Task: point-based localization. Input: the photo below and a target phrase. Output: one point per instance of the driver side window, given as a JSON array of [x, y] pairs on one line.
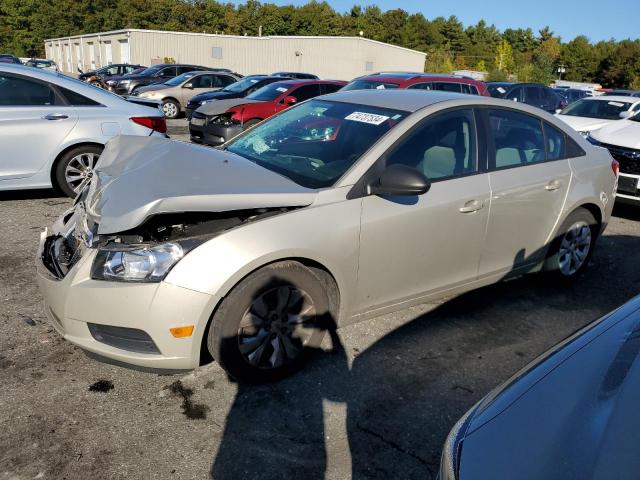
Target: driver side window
[[443, 147]]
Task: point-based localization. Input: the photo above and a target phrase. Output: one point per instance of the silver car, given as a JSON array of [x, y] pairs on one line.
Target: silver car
[[174, 94], [345, 207], [53, 128]]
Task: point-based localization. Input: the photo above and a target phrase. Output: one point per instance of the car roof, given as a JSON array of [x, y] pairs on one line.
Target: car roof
[[401, 99], [401, 77]]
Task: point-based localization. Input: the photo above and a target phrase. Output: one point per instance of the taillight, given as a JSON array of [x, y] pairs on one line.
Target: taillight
[[159, 124], [615, 166]]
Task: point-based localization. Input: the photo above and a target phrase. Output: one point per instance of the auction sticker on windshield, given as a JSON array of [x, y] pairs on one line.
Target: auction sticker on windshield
[[370, 118]]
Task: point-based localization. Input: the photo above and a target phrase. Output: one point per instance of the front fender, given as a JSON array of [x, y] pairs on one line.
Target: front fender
[[325, 234]]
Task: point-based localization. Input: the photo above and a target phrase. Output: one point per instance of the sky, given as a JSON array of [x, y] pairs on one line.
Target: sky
[[617, 19]]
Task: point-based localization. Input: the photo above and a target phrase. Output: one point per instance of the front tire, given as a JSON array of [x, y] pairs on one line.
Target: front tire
[[170, 108], [571, 251], [75, 168], [265, 328]]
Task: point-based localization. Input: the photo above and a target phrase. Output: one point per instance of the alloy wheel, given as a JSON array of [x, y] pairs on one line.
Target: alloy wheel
[[574, 248], [276, 327], [80, 170], [170, 110]]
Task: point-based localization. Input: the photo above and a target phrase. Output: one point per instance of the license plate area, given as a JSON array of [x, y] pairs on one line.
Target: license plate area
[[628, 185]]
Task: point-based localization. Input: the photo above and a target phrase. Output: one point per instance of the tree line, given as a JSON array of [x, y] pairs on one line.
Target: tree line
[[512, 53]]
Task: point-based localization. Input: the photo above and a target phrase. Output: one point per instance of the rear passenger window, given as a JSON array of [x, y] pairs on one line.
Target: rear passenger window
[[517, 137], [306, 92], [448, 87], [18, 91], [77, 100], [443, 147], [421, 86], [555, 142]]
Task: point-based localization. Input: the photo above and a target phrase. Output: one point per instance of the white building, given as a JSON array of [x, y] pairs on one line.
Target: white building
[[328, 57]]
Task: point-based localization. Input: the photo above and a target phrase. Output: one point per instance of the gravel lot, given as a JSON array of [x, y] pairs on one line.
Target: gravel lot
[[378, 405]]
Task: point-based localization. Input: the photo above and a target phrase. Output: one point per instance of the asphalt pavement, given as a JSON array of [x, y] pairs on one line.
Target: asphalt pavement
[[376, 402]]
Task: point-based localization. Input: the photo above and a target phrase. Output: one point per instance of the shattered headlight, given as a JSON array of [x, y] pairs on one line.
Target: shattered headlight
[[125, 263]]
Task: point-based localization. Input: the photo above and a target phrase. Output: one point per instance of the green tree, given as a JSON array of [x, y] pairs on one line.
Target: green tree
[[504, 57]]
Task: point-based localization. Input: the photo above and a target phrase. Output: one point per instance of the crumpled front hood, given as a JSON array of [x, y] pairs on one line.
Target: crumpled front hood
[[623, 133], [219, 95], [138, 177], [221, 106]]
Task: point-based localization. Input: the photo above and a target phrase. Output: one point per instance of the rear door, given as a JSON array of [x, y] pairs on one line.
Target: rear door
[[34, 121], [533, 96], [412, 246], [529, 184]]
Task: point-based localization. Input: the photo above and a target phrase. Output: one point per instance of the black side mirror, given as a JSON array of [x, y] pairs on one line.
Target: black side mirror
[[400, 180]]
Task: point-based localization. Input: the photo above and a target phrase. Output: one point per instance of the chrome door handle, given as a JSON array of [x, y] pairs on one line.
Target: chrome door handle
[[471, 206], [553, 185], [55, 116]]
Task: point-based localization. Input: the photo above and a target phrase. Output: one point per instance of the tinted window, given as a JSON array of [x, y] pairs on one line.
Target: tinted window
[[517, 138], [22, 91], [129, 69], [472, 90], [330, 88], [369, 85], [533, 96], [182, 70], [421, 86], [168, 72], [76, 99], [516, 94], [448, 87], [444, 146], [555, 142], [306, 92], [224, 80]]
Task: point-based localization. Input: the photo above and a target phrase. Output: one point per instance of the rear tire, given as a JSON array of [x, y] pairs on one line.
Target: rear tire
[[571, 251], [74, 168], [267, 325]]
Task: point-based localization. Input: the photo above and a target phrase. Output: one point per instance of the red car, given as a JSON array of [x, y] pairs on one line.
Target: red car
[[214, 127], [423, 81]]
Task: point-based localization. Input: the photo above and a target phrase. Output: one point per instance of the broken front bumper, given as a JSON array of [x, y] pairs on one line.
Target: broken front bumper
[[125, 322]]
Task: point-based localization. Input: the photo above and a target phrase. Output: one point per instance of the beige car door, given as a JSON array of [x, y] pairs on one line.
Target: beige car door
[[412, 246], [529, 183]]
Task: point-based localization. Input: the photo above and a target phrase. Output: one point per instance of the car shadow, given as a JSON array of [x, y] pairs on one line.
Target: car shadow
[[405, 392], [30, 194]]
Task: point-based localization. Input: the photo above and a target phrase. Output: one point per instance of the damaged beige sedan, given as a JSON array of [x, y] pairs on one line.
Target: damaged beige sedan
[[344, 207]]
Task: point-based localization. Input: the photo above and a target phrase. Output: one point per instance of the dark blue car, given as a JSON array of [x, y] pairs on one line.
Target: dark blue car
[[571, 414]]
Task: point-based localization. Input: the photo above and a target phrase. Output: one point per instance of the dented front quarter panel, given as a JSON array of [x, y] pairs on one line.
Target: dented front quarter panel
[[326, 232]]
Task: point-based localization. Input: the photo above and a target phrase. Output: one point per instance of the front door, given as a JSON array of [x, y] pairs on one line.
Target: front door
[[29, 107], [529, 184], [411, 246]]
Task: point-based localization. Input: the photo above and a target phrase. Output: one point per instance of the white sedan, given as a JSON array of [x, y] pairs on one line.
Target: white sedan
[[53, 128], [592, 113]]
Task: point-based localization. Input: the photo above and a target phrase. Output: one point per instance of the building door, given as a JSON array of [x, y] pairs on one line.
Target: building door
[[78, 56], [92, 55], [108, 54], [124, 51]]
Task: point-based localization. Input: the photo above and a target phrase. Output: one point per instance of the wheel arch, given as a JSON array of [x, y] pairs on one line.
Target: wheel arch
[[62, 153], [323, 273]]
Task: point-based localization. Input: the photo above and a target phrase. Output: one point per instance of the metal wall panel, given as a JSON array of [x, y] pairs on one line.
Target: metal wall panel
[[340, 58]]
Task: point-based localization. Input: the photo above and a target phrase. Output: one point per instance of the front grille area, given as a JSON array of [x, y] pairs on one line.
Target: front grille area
[[60, 254], [628, 158]]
